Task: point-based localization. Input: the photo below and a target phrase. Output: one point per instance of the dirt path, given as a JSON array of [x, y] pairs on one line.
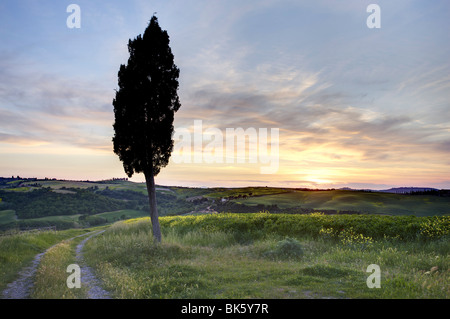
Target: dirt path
[[22, 287], [87, 275]]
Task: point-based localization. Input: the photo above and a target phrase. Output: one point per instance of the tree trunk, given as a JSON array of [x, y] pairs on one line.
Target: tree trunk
[[150, 181]]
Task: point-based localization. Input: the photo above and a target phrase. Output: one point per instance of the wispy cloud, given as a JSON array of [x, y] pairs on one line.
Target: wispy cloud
[[46, 107]]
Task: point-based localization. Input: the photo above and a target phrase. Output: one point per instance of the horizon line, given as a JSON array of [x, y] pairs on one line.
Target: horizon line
[[255, 186]]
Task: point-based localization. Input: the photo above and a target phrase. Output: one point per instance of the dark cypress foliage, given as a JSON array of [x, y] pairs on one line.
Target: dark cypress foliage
[[144, 108]]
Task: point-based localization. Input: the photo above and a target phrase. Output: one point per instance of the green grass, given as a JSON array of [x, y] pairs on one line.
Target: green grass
[[66, 218], [7, 216], [235, 256], [119, 185], [251, 255], [247, 256], [254, 226], [117, 215], [57, 184], [51, 275], [18, 250], [255, 191], [22, 189], [367, 202], [109, 216]]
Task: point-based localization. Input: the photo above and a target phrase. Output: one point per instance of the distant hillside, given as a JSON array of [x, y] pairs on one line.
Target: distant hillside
[[32, 202], [35, 203], [406, 190]]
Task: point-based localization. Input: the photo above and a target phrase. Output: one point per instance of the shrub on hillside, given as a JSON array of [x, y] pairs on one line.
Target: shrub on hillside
[[435, 228], [286, 249], [347, 237]]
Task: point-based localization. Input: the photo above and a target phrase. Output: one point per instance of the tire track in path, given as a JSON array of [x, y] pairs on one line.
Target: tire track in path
[[88, 278], [22, 287]]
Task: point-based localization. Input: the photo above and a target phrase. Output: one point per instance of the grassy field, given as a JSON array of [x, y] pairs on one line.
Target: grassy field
[[51, 275], [365, 202], [223, 256], [119, 185], [272, 199], [67, 215], [18, 250], [243, 255], [7, 216], [259, 256], [255, 191], [122, 214]]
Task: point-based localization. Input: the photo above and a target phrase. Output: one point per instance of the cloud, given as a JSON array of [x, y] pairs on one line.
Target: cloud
[[347, 99], [39, 106], [21, 140], [319, 122]]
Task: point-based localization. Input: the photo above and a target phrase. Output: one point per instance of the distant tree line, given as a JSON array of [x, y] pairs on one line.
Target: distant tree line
[[436, 192], [44, 202], [89, 201]]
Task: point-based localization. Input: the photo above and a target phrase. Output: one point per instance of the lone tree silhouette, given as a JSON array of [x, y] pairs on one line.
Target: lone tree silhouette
[[144, 108]]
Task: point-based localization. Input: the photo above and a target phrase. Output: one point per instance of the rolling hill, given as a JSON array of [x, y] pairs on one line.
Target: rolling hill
[[31, 203]]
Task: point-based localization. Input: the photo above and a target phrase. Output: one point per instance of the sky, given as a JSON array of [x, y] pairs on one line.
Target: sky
[[353, 106]]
